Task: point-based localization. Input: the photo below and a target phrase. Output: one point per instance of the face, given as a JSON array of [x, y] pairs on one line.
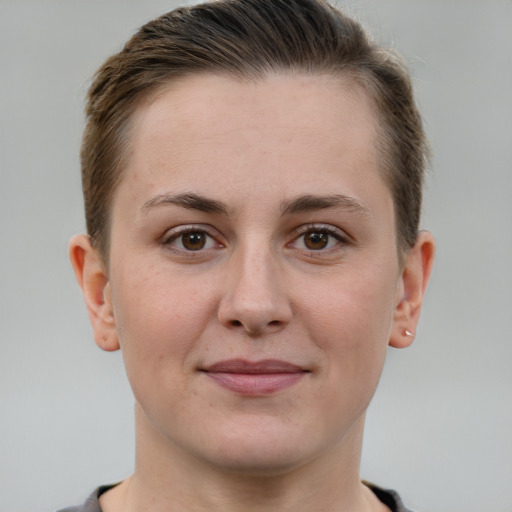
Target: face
[[253, 275]]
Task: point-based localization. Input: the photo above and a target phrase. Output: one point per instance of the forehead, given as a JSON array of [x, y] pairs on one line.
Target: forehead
[[259, 92], [274, 112], [280, 136]]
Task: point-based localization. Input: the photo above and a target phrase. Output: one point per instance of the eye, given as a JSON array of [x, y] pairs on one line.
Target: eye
[[190, 239], [318, 238]]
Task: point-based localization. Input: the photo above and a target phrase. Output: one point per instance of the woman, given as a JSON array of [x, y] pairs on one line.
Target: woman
[[252, 175]]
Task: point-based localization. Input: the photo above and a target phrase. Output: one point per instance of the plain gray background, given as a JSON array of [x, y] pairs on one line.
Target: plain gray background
[[440, 427]]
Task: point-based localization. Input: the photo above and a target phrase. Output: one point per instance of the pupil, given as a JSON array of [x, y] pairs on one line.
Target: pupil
[[316, 240], [194, 241]]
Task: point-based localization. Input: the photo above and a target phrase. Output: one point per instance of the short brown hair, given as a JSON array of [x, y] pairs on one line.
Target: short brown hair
[[248, 39]]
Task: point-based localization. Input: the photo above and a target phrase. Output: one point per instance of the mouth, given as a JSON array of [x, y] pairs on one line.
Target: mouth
[[254, 378]]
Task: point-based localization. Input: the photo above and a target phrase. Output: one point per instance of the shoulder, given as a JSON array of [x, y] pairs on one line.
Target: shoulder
[[389, 497], [91, 504]]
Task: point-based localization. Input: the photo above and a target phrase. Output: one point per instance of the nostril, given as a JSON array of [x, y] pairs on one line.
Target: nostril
[[238, 323]]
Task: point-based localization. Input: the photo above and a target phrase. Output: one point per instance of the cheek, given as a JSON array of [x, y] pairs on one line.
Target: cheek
[[159, 319], [350, 321], [355, 302]]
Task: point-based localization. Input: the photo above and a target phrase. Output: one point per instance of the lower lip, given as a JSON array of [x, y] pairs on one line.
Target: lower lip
[[255, 384]]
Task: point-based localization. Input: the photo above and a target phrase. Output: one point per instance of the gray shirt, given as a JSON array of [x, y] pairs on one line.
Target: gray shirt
[[388, 497]]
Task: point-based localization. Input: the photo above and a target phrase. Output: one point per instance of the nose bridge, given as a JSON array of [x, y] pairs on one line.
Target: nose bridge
[[255, 299], [257, 267]]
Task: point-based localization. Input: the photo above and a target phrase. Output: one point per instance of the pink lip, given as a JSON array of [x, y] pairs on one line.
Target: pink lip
[[254, 378]]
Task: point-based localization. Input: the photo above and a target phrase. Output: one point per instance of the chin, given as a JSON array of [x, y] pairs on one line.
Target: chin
[[263, 451], [258, 464]]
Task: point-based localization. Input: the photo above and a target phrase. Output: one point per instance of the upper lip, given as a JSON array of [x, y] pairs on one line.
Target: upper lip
[[242, 366]]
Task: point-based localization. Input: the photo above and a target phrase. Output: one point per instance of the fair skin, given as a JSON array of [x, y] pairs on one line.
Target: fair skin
[[253, 286]]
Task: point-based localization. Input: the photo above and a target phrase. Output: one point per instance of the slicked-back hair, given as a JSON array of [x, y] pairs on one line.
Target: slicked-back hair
[[249, 39]]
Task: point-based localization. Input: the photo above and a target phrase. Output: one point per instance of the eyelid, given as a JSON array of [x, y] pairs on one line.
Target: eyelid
[[329, 228]]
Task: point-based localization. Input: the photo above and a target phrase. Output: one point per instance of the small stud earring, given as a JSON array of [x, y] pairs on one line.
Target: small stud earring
[[408, 333]]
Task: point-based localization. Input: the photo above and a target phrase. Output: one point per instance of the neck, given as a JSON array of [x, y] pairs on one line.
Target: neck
[[167, 478]]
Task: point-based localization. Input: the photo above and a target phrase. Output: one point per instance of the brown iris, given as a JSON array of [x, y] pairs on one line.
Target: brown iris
[[194, 241], [316, 240]]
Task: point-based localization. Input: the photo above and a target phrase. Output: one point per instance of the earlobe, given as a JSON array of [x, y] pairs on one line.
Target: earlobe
[[413, 282], [93, 281]]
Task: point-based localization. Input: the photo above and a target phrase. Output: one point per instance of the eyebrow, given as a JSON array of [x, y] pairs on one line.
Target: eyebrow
[[188, 200], [308, 203], [301, 204]]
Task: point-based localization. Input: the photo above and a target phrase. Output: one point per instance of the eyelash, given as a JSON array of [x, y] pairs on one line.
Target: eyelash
[[212, 242]]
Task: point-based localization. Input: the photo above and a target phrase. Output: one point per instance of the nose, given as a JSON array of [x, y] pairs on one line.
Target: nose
[[255, 300]]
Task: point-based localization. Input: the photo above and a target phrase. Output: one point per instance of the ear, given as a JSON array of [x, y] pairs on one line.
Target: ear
[[413, 282], [93, 281]]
